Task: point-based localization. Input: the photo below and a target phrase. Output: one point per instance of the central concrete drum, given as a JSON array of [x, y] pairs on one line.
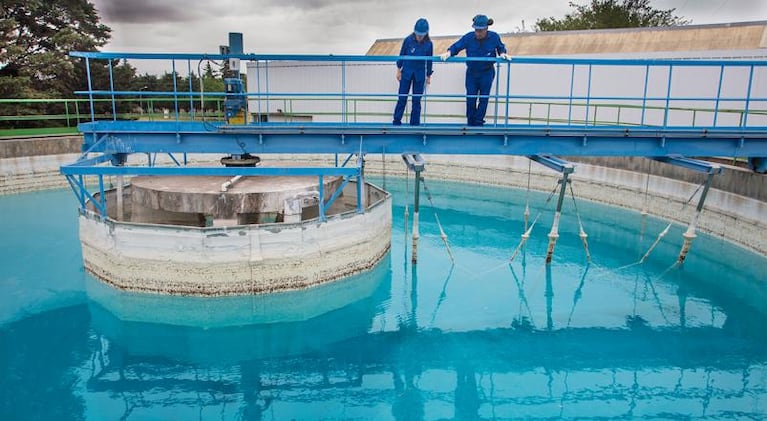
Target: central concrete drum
[[225, 200], [210, 235]]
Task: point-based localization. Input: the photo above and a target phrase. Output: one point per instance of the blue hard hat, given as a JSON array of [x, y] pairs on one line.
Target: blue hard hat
[[421, 27], [481, 22]]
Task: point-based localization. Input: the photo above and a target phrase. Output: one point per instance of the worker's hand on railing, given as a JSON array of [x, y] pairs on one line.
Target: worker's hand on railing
[[505, 56], [444, 56]]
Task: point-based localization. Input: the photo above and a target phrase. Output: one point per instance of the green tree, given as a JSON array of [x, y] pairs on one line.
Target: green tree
[[36, 37], [603, 14]]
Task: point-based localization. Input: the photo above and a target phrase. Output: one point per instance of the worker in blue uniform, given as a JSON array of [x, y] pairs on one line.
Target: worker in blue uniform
[[479, 74], [413, 73]]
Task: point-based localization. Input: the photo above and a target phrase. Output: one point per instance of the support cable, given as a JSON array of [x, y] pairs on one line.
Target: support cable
[[442, 234], [662, 233], [581, 233], [526, 234]]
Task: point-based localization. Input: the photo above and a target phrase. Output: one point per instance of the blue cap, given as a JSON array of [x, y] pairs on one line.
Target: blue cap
[[421, 27], [480, 22]]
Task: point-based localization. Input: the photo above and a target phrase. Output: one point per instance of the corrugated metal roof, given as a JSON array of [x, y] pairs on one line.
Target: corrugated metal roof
[[731, 36]]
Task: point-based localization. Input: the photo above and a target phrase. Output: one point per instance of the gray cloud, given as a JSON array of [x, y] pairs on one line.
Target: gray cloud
[[343, 26]]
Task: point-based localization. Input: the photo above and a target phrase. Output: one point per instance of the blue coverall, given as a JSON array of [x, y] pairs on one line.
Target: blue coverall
[[479, 74], [414, 72]]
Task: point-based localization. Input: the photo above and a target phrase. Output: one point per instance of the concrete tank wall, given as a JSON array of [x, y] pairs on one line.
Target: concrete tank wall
[[736, 208], [248, 259]]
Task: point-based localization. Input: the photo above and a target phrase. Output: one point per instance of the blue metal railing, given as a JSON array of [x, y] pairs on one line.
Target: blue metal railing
[[659, 89]]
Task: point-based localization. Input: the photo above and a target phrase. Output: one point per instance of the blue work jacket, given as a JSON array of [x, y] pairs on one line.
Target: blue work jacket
[[490, 46], [418, 68]]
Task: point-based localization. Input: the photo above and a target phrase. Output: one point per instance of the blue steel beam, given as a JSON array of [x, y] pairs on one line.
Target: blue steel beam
[[86, 169], [691, 164], [189, 137], [556, 164]]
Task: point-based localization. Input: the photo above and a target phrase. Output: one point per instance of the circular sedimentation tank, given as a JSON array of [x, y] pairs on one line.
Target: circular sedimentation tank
[[215, 235]]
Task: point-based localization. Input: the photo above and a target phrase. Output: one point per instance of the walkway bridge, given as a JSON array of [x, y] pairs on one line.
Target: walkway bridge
[[342, 105]]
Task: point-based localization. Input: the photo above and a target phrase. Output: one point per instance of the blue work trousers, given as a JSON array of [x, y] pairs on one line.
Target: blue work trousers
[[404, 88], [478, 86]]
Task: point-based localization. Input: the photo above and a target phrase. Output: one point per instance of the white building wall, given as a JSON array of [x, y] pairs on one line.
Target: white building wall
[[315, 88]]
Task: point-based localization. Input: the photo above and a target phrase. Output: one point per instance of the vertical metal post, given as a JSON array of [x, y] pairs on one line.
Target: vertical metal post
[[66, 111], [90, 91], [266, 75], [77, 110], [748, 94], [554, 233], [497, 88], [644, 93], [570, 105], [191, 100], [689, 235], [416, 201], [668, 96], [175, 88], [718, 93], [343, 92], [361, 200], [258, 89], [588, 98], [112, 91], [508, 90]]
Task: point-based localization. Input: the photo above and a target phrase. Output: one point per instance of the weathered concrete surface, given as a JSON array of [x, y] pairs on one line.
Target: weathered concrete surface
[[202, 194], [251, 259], [30, 173], [36, 146]]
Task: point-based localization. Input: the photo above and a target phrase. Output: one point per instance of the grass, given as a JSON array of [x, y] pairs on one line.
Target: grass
[[46, 131]]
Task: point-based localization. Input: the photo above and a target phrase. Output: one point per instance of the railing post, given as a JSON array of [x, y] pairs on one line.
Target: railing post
[[748, 94], [258, 91], [718, 93], [191, 100], [497, 88], [66, 110], [112, 92], [175, 88], [588, 98], [266, 74], [570, 105], [644, 93], [343, 92], [508, 90], [90, 89], [668, 96]]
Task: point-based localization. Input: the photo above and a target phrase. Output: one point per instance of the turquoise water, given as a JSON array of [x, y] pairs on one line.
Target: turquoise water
[[480, 339]]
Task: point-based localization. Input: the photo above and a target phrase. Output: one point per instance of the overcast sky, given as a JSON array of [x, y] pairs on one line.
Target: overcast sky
[[344, 26]]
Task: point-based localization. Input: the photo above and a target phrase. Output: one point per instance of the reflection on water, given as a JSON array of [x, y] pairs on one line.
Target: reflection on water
[[478, 339]]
